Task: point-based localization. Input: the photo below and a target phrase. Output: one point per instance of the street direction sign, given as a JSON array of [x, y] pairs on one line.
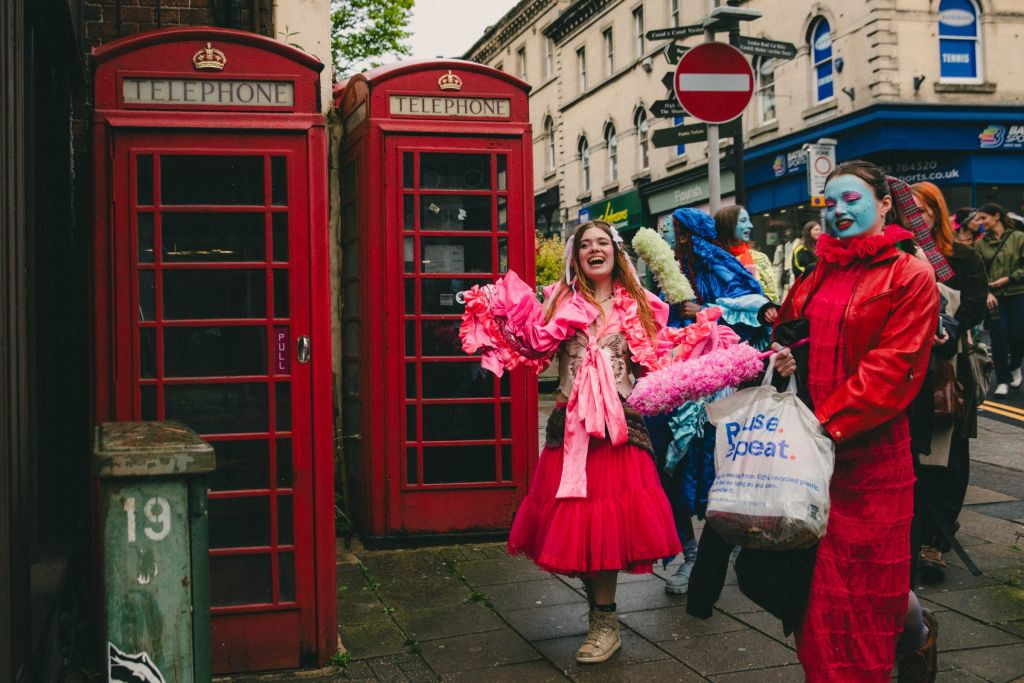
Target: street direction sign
[[673, 53], [762, 47], [667, 109], [675, 32], [696, 132], [714, 82], [669, 79]]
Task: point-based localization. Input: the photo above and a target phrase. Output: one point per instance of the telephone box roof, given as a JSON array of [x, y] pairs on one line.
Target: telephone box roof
[[375, 77], [121, 46]]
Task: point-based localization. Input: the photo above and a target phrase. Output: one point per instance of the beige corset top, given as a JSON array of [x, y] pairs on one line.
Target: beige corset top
[[614, 348]]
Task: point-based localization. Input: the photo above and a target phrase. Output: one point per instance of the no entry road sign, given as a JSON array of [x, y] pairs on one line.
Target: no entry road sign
[[714, 82]]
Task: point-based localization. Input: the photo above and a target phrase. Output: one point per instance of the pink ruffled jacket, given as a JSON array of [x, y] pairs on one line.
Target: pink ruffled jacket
[[506, 322]]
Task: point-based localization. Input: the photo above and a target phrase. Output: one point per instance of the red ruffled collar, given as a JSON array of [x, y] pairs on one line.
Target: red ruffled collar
[[742, 252], [843, 252]]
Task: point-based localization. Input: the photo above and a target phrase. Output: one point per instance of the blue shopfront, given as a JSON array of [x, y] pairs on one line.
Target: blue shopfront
[[975, 154]]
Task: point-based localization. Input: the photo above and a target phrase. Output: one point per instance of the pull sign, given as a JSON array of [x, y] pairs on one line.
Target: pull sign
[[282, 350]]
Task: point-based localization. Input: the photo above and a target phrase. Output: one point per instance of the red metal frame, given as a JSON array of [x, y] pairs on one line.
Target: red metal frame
[[380, 142], [248, 636]]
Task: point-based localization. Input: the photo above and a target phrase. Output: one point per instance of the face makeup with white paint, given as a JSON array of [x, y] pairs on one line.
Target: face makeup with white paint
[[851, 208]]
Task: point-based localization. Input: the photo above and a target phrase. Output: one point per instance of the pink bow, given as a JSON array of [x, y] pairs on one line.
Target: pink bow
[[594, 407]]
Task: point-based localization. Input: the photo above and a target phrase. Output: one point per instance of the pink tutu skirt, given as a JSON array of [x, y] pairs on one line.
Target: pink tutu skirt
[[624, 523]]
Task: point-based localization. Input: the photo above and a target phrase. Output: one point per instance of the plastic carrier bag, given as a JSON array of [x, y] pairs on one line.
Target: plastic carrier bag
[[773, 464]]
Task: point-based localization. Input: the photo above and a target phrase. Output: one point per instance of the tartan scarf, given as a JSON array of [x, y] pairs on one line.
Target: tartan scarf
[[904, 199]]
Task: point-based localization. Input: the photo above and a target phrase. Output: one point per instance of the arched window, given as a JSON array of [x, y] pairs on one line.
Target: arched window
[[959, 42], [612, 143], [549, 144], [584, 149], [821, 60], [643, 147], [764, 88]]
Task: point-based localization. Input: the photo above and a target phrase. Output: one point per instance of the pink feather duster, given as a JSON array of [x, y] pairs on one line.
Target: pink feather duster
[[670, 387]]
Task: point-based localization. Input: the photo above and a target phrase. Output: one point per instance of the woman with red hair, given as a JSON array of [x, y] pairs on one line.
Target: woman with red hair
[[942, 449]]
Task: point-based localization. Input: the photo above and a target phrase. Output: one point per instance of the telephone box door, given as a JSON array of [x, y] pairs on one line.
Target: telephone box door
[[212, 234], [454, 220]]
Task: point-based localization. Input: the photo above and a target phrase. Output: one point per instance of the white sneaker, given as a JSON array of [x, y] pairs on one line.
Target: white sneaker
[[1016, 375], [1002, 390]]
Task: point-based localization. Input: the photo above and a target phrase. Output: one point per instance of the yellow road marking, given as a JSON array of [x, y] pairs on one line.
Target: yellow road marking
[[1005, 413], [1003, 406]]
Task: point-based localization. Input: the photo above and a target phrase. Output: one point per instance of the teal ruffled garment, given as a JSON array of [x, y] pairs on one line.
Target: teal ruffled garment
[[741, 310], [686, 423]]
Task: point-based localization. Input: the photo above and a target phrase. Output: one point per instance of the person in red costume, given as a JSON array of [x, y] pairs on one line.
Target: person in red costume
[[873, 312]]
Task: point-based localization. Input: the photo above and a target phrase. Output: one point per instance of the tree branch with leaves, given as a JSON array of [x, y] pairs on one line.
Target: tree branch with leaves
[[362, 31]]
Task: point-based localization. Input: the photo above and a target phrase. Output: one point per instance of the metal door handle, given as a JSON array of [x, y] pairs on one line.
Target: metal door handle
[[302, 349]]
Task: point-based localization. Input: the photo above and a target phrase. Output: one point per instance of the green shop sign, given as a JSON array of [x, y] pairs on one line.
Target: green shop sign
[[624, 211], [687, 194]]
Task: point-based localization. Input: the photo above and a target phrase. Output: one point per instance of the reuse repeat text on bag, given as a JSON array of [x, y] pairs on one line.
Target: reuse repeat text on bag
[[773, 465]]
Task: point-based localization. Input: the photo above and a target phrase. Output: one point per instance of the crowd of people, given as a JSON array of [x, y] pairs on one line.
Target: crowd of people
[[890, 293]]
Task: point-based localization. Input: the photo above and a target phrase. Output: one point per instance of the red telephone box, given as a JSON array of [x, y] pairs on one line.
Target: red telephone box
[[212, 307], [437, 195]]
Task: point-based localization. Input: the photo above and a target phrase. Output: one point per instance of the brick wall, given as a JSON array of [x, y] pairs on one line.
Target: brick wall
[[106, 20]]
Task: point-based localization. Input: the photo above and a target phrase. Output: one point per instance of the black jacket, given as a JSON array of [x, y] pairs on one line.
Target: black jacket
[[970, 280]]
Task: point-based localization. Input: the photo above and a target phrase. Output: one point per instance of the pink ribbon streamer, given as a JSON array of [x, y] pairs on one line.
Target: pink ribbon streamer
[[594, 408]]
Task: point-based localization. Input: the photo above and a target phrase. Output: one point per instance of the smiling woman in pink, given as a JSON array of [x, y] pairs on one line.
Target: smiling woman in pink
[[595, 505], [873, 311]]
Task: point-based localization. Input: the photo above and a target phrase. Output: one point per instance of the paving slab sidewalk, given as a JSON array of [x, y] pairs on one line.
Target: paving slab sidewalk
[[472, 613]]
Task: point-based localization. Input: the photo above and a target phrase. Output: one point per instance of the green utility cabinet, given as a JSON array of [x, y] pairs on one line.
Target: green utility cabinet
[[156, 571]]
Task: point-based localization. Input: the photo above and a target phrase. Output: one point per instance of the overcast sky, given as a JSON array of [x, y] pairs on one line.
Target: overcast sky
[[447, 28]]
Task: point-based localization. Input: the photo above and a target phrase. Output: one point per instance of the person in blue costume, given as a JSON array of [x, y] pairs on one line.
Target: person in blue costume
[[719, 278], [683, 441]]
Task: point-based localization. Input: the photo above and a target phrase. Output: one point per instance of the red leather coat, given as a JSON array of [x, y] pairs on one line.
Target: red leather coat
[[889, 325]]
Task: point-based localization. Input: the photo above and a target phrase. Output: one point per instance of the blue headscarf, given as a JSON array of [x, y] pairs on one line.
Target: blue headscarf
[[719, 274]]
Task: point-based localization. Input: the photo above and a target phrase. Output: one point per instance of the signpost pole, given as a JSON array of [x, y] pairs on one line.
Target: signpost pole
[[714, 171], [737, 146]]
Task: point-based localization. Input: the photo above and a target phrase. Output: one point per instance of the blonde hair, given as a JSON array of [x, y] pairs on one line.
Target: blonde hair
[[622, 273]]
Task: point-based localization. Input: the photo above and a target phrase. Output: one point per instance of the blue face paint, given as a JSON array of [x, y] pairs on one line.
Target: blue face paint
[[668, 233], [744, 227], [851, 207]]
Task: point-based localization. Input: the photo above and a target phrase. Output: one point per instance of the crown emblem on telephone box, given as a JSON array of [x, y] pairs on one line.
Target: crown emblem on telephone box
[[449, 81], [209, 58]]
